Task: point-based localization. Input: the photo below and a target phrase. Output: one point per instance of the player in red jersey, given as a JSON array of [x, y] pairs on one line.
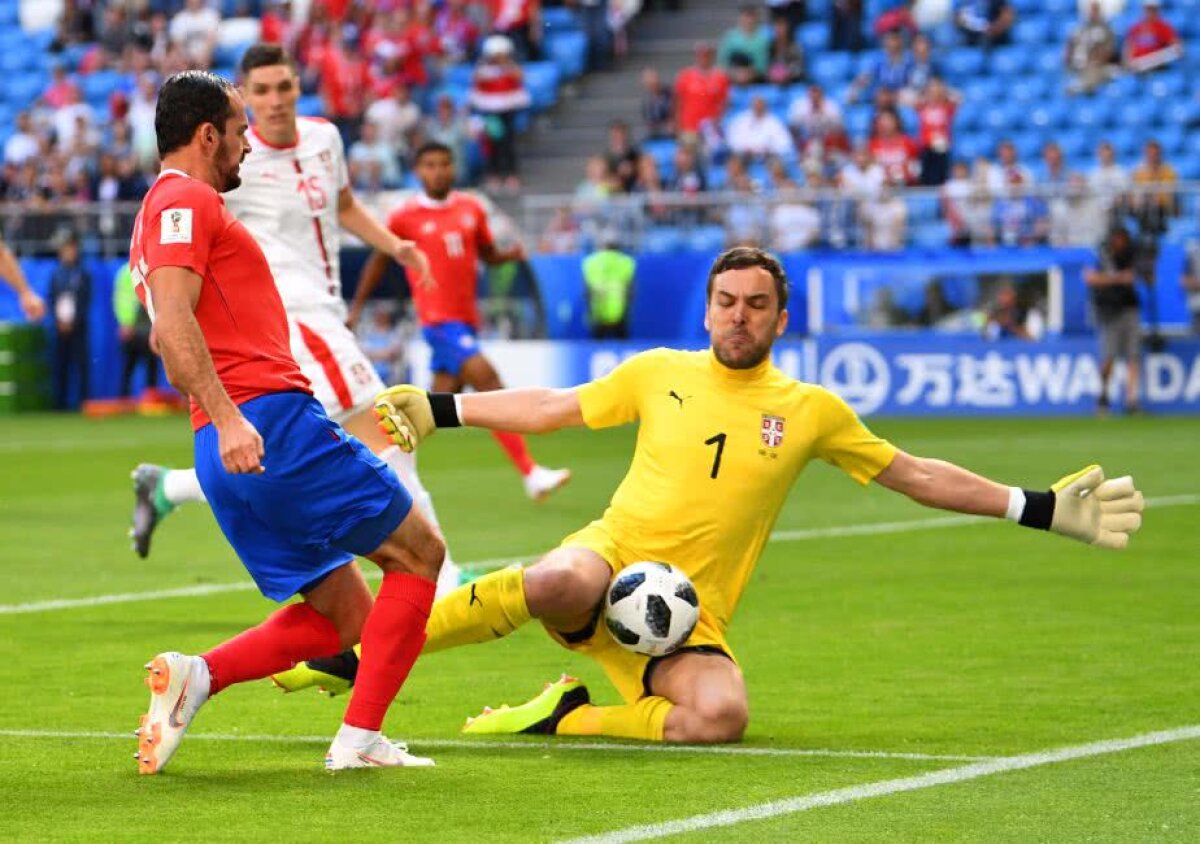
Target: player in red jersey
[[295, 496], [452, 230]]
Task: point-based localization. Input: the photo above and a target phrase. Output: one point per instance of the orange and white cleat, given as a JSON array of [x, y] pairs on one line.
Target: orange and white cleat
[[179, 686]]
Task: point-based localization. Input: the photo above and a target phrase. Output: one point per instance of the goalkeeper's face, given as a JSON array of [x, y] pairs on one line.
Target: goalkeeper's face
[[744, 317]]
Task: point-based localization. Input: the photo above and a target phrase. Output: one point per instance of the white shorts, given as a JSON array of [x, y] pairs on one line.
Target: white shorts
[[343, 379]]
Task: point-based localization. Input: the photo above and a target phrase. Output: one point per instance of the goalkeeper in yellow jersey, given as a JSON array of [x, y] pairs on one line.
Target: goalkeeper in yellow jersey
[[723, 436]]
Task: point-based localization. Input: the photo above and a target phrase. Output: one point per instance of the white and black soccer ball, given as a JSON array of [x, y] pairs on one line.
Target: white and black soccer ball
[[651, 608]]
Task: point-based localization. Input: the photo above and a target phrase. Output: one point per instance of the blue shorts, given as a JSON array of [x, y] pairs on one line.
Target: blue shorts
[[452, 344], [323, 498]]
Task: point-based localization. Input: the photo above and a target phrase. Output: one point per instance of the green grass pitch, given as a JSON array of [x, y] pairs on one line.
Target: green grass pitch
[[977, 640]]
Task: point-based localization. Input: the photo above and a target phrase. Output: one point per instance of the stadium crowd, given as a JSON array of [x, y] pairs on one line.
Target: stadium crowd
[[748, 138]]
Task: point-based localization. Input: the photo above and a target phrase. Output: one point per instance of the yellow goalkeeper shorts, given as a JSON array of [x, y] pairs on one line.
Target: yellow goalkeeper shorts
[[629, 672]]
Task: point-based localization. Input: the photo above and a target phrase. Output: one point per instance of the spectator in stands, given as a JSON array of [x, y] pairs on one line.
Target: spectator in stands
[[1054, 168], [194, 30], [1151, 43], [924, 70], [756, 134], [61, 86], [658, 107], [395, 118], [898, 18], [935, 112], [953, 198], [1010, 319], [890, 72], [1007, 171], [448, 126], [795, 224], [117, 34], [1019, 218], [785, 64], [1091, 53], [279, 26], [745, 49], [816, 123], [1109, 181], [22, 145], [370, 147], [70, 298], [343, 79], [884, 221], [648, 184], [935, 307], [862, 177], [498, 93], [598, 182], [746, 222], [133, 330], [383, 342], [689, 175], [1191, 284], [1077, 218], [561, 236], [701, 91], [457, 32], [985, 23], [72, 118], [596, 17], [1116, 310], [521, 21], [608, 277], [896, 153], [1154, 198], [622, 155], [846, 26], [791, 12]]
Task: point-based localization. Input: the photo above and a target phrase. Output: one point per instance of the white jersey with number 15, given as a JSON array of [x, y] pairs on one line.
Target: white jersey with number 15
[[289, 200]]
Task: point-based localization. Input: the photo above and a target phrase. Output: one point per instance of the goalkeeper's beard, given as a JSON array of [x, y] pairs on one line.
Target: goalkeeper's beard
[[746, 355]]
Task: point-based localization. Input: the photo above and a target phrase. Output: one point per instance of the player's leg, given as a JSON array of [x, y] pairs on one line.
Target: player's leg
[[1131, 343], [478, 372], [157, 491]]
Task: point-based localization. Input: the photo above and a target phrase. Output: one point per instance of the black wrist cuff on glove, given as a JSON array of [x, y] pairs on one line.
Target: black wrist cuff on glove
[[1039, 510], [445, 412]]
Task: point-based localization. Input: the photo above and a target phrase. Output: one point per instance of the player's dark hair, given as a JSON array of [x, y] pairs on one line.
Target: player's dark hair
[[186, 102], [744, 257], [430, 147], [265, 55]]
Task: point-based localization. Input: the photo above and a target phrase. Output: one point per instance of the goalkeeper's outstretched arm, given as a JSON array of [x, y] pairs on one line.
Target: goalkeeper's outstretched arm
[[1083, 505]]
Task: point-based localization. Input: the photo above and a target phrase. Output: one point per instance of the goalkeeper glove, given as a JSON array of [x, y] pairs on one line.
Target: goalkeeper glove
[[407, 414], [1083, 506]]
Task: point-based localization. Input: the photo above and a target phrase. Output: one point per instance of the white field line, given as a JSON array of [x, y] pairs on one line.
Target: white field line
[[948, 776], [835, 532], [540, 746]]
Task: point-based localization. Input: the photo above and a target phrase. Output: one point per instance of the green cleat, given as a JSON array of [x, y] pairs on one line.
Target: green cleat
[[540, 715], [150, 505], [333, 676]]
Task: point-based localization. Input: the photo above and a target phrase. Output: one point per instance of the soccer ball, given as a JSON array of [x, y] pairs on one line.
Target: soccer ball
[[651, 608]]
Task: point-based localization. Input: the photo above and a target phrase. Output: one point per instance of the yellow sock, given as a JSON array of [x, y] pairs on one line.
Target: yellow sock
[[641, 720], [480, 611]]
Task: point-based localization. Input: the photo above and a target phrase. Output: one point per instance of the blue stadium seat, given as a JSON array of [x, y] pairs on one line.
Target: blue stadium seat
[[1189, 167], [1028, 144], [1009, 61], [541, 78], [1127, 141], [1047, 61], [1046, 118], [1169, 85], [309, 106], [963, 63], [1182, 113], [813, 37], [663, 153], [9, 15], [858, 121], [23, 88], [1174, 140], [983, 89], [739, 98], [1032, 31], [706, 239], [568, 50], [1004, 116], [1090, 116], [460, 75], [830, 68], [662, 239], [1076, 144], [559, 19], [970, 145], [969, 115], [96, 87]]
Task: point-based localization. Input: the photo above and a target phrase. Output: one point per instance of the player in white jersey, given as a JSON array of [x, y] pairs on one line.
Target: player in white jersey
[[295, 199]]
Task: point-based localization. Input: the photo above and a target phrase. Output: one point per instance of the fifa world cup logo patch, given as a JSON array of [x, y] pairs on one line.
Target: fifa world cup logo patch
[[772, 431], [176, 226]]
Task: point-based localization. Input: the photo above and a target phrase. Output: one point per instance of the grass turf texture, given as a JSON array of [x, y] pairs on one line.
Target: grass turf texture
[[978, 640]]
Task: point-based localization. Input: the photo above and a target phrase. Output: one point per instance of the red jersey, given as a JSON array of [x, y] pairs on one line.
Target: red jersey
[[184, 223], [450, 233], [898, 158], [936, 119], [1146, 37], [701, 96]]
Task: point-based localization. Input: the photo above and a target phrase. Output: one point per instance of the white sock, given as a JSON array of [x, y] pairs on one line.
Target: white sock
[[181, 486], [356, 737]]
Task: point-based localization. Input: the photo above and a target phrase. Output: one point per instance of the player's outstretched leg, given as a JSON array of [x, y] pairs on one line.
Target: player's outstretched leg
[[157, 491]]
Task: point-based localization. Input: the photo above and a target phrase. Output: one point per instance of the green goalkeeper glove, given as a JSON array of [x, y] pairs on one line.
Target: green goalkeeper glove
[[1083, 506], [407, 415]]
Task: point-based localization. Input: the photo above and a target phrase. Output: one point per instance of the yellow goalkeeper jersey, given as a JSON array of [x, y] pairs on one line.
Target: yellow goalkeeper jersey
[[717, 451]]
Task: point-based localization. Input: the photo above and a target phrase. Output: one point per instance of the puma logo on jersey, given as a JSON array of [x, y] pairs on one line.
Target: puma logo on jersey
[[677, 398]]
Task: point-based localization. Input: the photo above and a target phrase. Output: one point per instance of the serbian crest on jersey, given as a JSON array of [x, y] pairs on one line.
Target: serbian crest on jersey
[[772, 431]]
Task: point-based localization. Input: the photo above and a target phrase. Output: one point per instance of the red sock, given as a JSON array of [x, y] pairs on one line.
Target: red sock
[[518, 452], [290, 635], [392, 639]]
